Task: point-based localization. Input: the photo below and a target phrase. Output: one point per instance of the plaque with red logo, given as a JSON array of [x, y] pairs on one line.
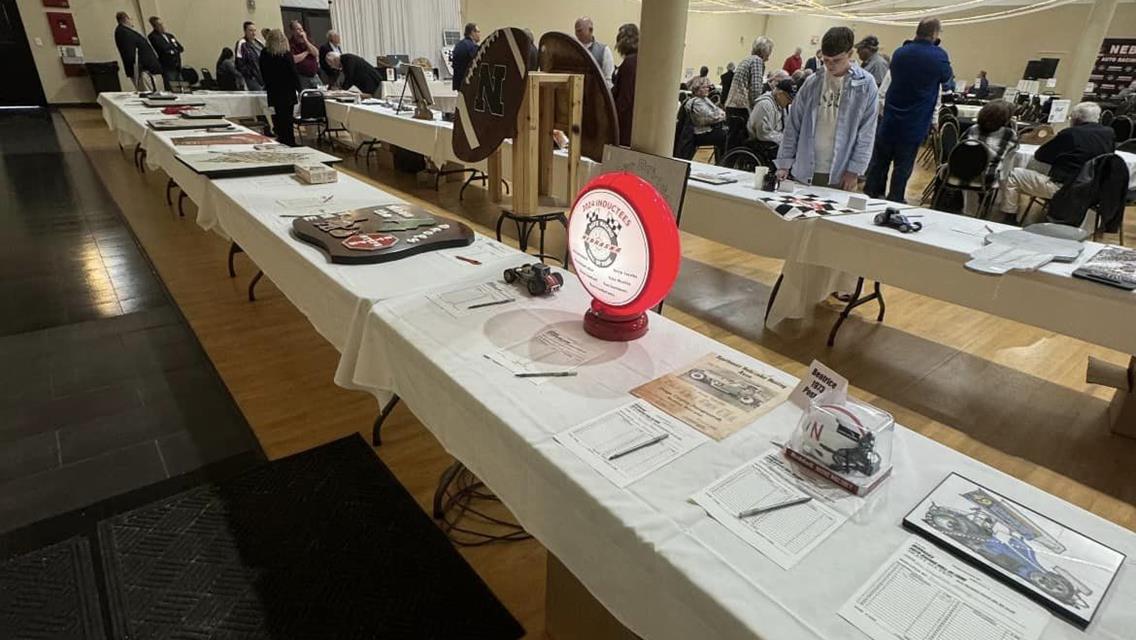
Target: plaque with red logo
[[625, 249], [380, 234]]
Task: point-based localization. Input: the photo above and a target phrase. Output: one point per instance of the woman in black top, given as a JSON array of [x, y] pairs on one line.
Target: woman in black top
[[228, 78], [281, 84]]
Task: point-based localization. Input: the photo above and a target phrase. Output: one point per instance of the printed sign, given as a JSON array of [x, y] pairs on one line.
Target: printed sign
[[1115, 67], [609, 247]]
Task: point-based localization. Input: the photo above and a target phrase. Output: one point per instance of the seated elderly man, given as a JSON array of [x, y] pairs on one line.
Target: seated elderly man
[[1066, 154], [767, 120], [355, 72]]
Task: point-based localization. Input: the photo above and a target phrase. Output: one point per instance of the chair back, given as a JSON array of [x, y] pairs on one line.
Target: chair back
[[967, 163], [312, 106], [1106, 118], [948, 139], [189, 75], [207, 81], [1122, 126]]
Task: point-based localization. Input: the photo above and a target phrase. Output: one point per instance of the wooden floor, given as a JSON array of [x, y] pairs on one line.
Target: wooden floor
[[946, 361]]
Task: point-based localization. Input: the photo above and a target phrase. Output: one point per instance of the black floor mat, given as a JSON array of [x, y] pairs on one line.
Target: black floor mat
[[324, 544], [51, 593]]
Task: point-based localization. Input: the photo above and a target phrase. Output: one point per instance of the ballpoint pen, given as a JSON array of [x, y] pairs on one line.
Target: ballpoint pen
[[490, 304], [773, 507], [642, 445], [546, 374]]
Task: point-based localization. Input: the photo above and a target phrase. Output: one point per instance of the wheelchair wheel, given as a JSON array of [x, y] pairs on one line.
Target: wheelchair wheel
[[740, 158]]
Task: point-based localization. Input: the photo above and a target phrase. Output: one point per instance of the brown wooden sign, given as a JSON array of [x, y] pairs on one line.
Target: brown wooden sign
[[380, 234], [562, 53], [491, 94]]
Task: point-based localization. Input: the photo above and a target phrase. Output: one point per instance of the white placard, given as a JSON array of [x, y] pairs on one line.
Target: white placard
[[597, 440], [924, 593], [820, 384], [1059, 112]]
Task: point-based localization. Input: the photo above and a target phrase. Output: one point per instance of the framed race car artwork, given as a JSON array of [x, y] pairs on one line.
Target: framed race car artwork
[[1059, 568]]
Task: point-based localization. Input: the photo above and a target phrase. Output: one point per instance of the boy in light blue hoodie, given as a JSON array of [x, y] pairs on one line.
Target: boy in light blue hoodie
[[832, 124]]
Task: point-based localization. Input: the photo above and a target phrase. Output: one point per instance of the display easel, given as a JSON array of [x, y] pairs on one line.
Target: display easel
[[552, 101]]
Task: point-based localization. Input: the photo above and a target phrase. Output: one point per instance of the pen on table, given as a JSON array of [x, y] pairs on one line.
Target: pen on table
[[328, 198], [469, 260], [642, 445], [546, 374], [490, 304], [773, 507]]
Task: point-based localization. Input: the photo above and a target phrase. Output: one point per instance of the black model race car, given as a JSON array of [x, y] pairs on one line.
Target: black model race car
[[539, 279], [892, 218]]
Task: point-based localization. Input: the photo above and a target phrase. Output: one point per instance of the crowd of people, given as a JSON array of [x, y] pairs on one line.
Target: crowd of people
[[850, 116]]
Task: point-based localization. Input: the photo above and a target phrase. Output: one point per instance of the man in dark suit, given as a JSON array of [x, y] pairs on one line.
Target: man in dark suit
[[1070, 150], [464, 52], [727, 79], [138, 58], [169, 51], [354, 71], [331, 46]]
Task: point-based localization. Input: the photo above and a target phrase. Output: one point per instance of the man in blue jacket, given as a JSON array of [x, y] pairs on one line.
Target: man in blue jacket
[[464, 52], [918, 69], [831, 125]]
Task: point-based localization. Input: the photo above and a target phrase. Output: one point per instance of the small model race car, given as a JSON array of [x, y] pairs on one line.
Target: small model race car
[[838, 439], [743, 393], [891, 217], [539, 279]]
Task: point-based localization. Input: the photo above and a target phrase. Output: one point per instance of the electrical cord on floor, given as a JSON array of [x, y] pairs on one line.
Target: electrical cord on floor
[[458, 504]]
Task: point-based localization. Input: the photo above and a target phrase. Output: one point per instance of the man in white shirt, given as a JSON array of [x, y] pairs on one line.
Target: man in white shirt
[[600, 51]]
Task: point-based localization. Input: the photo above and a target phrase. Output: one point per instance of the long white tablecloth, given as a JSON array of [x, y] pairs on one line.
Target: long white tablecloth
[[445, 98], [657, 562], [1026, 152]]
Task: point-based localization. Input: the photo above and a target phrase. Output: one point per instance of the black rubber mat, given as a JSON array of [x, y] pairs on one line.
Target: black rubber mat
[[50, 593], [324, 544]]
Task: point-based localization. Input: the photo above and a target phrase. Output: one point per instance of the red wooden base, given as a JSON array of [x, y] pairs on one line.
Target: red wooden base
[[615, 329]]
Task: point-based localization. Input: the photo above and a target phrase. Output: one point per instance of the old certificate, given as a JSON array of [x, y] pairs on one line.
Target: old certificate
[[716, 395]]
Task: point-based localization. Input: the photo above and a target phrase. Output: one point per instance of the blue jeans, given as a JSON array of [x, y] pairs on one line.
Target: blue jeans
[[885, 154]]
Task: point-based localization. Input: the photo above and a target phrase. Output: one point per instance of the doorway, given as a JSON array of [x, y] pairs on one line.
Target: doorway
[[21, 86], [317, 22]]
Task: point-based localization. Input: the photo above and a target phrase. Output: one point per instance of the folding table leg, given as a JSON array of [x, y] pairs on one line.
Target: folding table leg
[[376, 430], [773, 296], [855, 301], [252, 285], [234, 249]]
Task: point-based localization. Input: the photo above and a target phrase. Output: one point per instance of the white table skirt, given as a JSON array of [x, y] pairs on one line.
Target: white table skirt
[[445, 98], [1025, 158], [930, 263], [333, 296], [657, 562]]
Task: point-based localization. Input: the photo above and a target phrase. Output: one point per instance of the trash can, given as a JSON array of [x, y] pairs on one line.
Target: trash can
[[104, 76]]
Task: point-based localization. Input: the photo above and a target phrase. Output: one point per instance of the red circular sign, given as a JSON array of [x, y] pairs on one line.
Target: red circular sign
[[624, 245]]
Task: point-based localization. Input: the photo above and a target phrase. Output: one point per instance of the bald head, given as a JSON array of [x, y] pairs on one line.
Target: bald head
[[584, 28]]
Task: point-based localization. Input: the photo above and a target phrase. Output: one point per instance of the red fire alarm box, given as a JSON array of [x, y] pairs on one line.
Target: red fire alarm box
[[62, 27]]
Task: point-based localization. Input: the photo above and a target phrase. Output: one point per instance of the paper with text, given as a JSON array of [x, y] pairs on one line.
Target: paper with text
[[457, 303], [482, 251], [550, 350], [598, 439], [924, 593], [786, 535]]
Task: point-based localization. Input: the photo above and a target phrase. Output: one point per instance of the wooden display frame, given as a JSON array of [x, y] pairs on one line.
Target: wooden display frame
[[532, 146]]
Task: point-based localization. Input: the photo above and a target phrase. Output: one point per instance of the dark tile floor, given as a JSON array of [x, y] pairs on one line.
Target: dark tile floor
[[103, 386]]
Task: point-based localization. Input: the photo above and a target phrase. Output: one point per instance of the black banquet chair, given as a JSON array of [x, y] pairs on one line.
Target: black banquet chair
[[965, 170], [313, 112]]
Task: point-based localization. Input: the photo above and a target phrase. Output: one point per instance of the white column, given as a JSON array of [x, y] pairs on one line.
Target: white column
[[662, 39], [1074, 73]]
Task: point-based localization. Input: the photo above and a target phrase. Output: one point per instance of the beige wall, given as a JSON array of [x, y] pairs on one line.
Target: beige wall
[[711, 40], [203, 26], [1001, 47]]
